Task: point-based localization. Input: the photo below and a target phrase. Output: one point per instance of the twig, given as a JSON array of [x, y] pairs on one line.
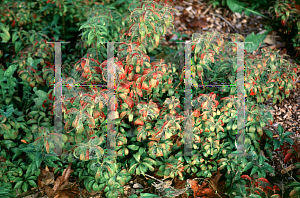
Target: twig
[[207, 9], [79, 188], [157, 180], [176, 193], [226, 22], [286, 171]]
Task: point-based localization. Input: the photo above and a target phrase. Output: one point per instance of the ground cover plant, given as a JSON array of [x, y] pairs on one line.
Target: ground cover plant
[[149, 106]]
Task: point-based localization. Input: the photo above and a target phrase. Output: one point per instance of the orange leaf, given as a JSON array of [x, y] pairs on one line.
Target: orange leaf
[[47, 146], [83, 63], [24, 141], [87, 154]]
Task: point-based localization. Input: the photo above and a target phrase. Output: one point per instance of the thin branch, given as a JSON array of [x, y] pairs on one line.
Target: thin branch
[[226, 21]]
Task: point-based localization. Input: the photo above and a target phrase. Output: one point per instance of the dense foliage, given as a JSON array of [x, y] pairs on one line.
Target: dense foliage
[[149, 101]]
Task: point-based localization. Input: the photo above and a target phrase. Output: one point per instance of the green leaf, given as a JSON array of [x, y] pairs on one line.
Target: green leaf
[[254, 196], [14, 37], [268, 167], [269, 153], [133, 147], [295, 192], [147, 195], [96, 187], [256, 39], [38, 159], [5, 36], [149, 166], [132, 168], [17, 179], [89, 186], [32, 177], [289, 140], [262, 173], [101, 186], [55, 20], [124, 124], [42, 95], [130, 117], [260, 160], [276, 144], [254, 170], [235, 6], [269, 133], [280, 130], [137, 157], [9, 111], [293, 184], [170, 92], [30, 61], [32, 183], [10, 70], [8, 143], [18, 45], [18, 184], [248, 166], [287, 134], [36, 62]]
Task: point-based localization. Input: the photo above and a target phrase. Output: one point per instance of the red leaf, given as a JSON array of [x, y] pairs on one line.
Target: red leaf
[[13, 23], [43, 103], [246, 177], [96, 114], [139, 122], [295, 147], [82, 63], [131, 94], [136, 76], [193, 47], [263, 179], [288, 157], [276, 187], [202, 56], [268, 187], [129, 101], [145, 86], [146, 71], [125, 84]]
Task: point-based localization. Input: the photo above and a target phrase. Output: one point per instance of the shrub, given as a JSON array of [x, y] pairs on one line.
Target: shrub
[[150, 99], [149, 104]]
